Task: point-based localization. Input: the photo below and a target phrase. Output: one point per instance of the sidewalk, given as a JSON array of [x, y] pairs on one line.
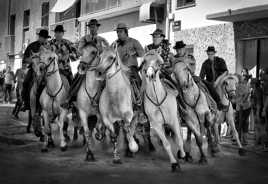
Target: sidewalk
[[250, 147], [13, 131]]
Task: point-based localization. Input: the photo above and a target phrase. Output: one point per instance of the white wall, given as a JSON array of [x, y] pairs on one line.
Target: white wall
[[193, 17]]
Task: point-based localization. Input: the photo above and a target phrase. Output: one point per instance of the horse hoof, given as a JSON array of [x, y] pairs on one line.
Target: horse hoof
[[67, 138], [37, 133], [42, 138], [129, 154], [90, 158], [51, 144], [28, 130], [188, 158], [64, 148], [203, 161], [117, 161], [179, 154], [44, 150], [241, 151], [175, 167], [75, 137]]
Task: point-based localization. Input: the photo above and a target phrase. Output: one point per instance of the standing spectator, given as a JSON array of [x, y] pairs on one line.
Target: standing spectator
[[2, 81], [243, 105], [9, 83], [19, 78]]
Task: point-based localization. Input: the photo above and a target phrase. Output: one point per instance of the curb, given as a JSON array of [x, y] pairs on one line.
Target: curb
[[259, 153]]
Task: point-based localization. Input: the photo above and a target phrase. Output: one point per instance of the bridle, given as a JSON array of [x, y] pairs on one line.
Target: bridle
[[158, 102]]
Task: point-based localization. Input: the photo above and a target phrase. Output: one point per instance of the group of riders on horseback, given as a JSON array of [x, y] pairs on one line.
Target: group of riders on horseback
[[127, 50]]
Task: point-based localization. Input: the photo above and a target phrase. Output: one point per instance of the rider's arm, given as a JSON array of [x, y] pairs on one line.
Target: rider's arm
[[202, 74], [139, 49]]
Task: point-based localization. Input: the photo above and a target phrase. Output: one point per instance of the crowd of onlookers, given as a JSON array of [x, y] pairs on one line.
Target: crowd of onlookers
[[7, 84]]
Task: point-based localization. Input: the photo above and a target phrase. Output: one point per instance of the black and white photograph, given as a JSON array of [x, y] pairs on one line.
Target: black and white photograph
[[133, 91]]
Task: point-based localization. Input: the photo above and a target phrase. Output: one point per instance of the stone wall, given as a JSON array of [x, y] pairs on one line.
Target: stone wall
[[221, 36]]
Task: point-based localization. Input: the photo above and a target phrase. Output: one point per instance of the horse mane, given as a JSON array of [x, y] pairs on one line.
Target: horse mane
[[225, 76], [89, 43]]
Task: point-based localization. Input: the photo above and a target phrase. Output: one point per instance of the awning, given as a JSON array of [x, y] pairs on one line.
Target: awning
[[145, 13], [248, 13], [62, 5]]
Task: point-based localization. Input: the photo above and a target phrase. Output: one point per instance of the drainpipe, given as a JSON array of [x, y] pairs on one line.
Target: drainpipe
[[168, 10], [8, 17]]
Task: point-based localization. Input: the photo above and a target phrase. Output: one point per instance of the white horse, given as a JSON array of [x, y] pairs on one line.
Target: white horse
[[226, 87], [161, 106], [53, 95], [197, 110], [87, 94], [115, 102]]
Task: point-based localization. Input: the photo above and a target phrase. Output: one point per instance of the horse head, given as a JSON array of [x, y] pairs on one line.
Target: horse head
[[151, 64], [89, 56], [48, 58], [107, 59], [227, 83], [183, 74]]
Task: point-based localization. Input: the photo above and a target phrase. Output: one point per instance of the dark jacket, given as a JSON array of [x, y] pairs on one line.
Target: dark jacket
[[33, 47], [206, 69]]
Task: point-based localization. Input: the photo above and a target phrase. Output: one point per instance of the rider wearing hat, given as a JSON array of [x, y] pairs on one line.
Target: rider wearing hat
[[160, 45], [34, 47], [211, 69], [129, 49], [65, 51], [101, 43]]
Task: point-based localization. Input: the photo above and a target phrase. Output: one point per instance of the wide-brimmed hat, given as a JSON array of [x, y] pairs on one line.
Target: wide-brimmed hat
[[93, 22], [43, 33], [179, 45], [121, 26], [211, 49], [158, 32], [59, 28]]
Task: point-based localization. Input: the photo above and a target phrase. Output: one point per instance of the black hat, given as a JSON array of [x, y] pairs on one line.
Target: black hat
[[158, 32], [211, 49], [59, 28], [179, 45], [93, 22], [44, 33]]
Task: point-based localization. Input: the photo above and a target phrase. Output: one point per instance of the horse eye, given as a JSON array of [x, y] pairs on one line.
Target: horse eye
[[111, 58]]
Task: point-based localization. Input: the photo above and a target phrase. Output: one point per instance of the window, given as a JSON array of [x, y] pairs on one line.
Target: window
[[185, 3], [26, 26], [45, 14], [100, 5], [73, 12], [12, 25], [26, 19]]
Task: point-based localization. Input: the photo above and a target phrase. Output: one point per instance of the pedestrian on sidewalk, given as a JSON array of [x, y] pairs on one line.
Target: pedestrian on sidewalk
[[9, 84], [19, 78], [243, 105], [2, 81]]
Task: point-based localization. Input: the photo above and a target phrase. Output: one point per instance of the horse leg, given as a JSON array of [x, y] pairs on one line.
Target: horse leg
[[29, 121], [110, 126], [45, 132], [88, 135], [188, 145], [199, 142], [179, 139], [130, 127], [65, 130], [230, 121], [62, 118], [161, 133], [50, 143]]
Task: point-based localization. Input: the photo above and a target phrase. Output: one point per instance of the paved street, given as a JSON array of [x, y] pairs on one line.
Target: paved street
[[22, 162]]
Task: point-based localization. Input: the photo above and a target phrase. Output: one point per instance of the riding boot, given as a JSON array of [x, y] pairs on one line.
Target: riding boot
[[27, 84], [75, 86], [214, 94]]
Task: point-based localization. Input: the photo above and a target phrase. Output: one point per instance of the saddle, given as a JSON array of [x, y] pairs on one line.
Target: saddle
[[211, 102]]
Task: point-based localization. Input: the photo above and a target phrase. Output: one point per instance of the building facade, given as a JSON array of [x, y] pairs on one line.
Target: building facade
[[197, 22]]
